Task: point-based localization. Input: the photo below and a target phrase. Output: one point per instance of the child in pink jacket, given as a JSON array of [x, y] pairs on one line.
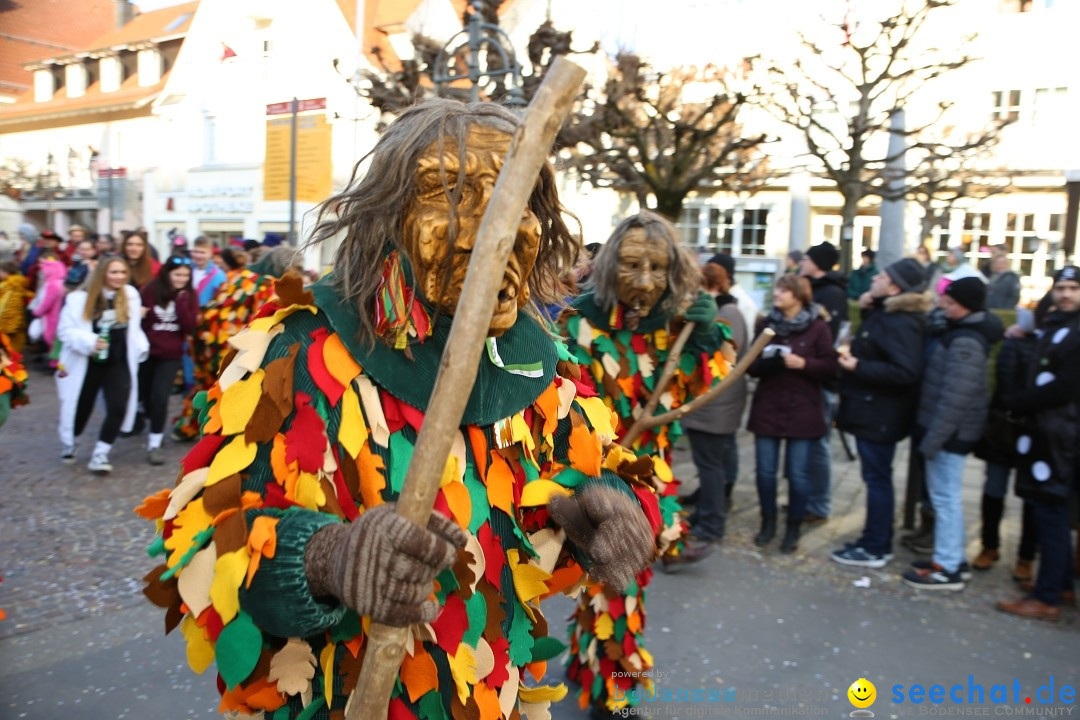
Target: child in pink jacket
[[51, 276]]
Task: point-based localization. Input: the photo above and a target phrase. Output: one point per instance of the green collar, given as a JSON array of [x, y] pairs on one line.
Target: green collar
[[600, 318], [497, 394]]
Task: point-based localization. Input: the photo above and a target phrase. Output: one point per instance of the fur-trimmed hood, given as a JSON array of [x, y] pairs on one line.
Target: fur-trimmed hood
[[910, 302]]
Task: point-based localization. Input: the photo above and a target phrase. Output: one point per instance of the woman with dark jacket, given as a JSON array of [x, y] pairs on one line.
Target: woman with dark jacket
[[172, 313], [787, 405]]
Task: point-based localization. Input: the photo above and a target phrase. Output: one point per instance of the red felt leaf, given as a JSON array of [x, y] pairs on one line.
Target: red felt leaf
[[442, 506], [305, 441], [501, 650], [616, 607], [629, 644], [706, 372], [326, 382], [411, 415], [650, 505], [341, 489], [203, 452], [420, 320], [395, 420], [212, 622], [607, 668], [584, 387], [274, 497], [494, 557], [451, 624], [637, 343], [398, 710]]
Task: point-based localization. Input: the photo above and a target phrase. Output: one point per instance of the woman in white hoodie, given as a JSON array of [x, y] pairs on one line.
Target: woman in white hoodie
[[103, 344]]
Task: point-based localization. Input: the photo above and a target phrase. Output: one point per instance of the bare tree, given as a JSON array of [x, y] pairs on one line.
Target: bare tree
[[658, 135], [842, 98]]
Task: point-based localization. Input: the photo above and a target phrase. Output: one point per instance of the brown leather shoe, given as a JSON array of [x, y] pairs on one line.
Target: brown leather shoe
[[986, 559], [1029, 607], [1022, 571], [1068, 597], [812, 519]]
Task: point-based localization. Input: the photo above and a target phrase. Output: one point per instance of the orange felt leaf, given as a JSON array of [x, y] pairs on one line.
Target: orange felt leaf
[[213, 416], [262, 540], [488, 702], [419, 674], [585, 453], [339, 361], [563, 578], [250, 499], [372, 480], [460, 502], [285, 473], [479, 449], [154, 506], [626, 384], [633, 622], [354, 644], [500, 484], [548, 404], [259, 695], [537, 669]]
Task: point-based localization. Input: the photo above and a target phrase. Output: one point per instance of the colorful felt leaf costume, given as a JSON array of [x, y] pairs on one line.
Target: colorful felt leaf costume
[[623, 367], [305, 427], [12, 379], [236, 302]]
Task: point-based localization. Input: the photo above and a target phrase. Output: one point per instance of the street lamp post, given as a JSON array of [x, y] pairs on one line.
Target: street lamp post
[[482, 42]]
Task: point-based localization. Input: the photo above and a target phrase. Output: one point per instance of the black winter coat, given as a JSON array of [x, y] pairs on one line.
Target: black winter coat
[[955, 393], [998, 443], [788, 403], [878, 400], [830, 292], [1049, 444]]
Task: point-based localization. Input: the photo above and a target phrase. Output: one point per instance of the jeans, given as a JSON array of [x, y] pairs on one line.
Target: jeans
[[876, 459], [945, 481], [114, 381], [717, 461], [156, 377], [767, 454], [819, 497], [1055, 544], [997, 480]]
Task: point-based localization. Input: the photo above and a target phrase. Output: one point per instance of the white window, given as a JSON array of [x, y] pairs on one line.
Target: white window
[[1005, 105], [150, 67], [976, 236], [1049, 107], [75, 79], [44, 85], [112, 73], [736, 230]]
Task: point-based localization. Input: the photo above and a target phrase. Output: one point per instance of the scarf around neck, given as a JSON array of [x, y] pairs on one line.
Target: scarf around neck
[[784, 326]]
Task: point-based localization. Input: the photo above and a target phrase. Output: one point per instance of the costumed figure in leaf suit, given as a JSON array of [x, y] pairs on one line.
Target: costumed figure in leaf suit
[[280, 543], [620, 332], [235, 303], [12, 379]]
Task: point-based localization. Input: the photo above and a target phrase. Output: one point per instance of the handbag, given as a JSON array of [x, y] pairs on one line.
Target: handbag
[[36, 331]]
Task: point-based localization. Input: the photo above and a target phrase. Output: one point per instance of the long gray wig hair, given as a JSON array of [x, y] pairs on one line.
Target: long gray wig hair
[[684, 276], [371, 210]]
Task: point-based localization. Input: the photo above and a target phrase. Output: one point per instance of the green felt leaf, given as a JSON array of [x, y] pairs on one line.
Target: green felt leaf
[[476, 609], [623, 337], [282, 713], [157, 547], [531, 471], [349, 627], [546, 648], [481, 511], [431, 706], [237, 650], [520, 637], [448, 583], [669, 505], [312, 709], [603, 345], [563, 350], [401, 450], [597, 689], [570, 478], [620, 628], [687, 363], [197, 544], [322, 408], [199, 401]]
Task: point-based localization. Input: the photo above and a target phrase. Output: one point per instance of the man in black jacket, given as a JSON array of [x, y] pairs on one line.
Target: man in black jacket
[[830, 292], [1048, 465], [878, 393]]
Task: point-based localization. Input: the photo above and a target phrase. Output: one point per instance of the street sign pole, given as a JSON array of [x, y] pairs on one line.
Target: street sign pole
[[292, 177], [112, 205]]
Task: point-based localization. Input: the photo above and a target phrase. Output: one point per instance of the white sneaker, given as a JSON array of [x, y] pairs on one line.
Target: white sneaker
[[68, 455], [99, 464]]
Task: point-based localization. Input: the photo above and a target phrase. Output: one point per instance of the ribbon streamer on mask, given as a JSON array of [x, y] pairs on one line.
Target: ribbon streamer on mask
[[531, 370]]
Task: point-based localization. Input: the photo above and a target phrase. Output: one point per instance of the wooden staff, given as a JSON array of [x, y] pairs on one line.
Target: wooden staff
[[648, 422], [640, 425], [529, 148]]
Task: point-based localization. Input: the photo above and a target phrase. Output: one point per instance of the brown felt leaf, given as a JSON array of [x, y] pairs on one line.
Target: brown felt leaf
[[351, 476], [613, 649], [231, 534], [278, 383], [227, 359], [222, 495], [495, 614], [540, 626], [173, 616], [464, 573], [262, 668], [290, 289], [349, 667], [265, 421], [332, 506], [164, 594]]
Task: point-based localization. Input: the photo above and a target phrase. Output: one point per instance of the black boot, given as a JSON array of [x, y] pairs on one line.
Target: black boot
[[992, 511], [790, 543], [923, 536], [767, 532]]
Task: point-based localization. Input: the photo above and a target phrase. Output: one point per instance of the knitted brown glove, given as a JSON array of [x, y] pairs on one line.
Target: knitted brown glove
[[382, 565], [611, 527]]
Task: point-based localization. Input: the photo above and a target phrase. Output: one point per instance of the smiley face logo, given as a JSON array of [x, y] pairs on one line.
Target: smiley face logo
[[862, 693]]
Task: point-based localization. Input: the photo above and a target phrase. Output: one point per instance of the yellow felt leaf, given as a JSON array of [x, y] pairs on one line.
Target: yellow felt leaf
[[195, 579], [519, 431], [190, 521], [529, 579], [551, 693], [326, 661], [188, 487], [352, 432], [645, 657], [339, 361], [457, 451], [308, 491], [601, 417], [229, 572], [200, 651], [500, 484], [233, 457], [616, 454], [262, 541], [238, 403], [292, 667], [603, 627], [661, 469], [535, 711], [539, 492], [660, 339], [463, 670]]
